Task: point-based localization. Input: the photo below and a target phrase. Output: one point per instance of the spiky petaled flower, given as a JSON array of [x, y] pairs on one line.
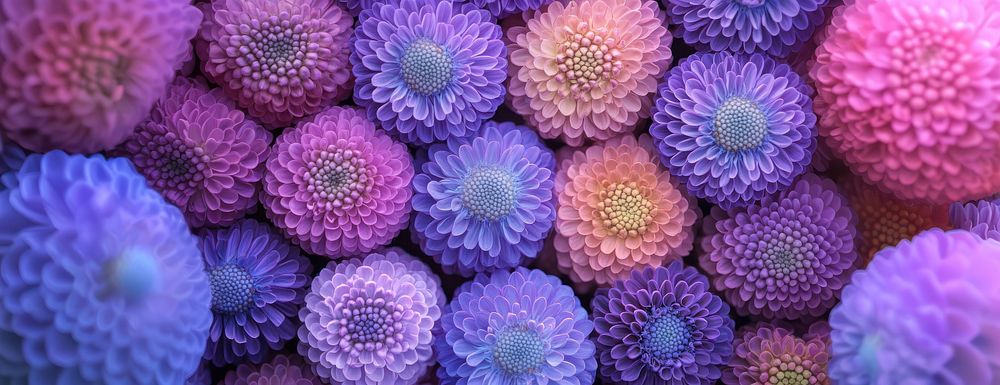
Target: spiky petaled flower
[[337, 186], [587, 69], [519, 327], [907, 95], [734, 128], [485, 203], [279, 60], [102, 280], [981, 218], [78, 75], [504, 8], [786, 257], [369, 321], [767, 354], [661, 326], [619, 211], [428, 70], [924, 312], [280, 370], [200, 151]]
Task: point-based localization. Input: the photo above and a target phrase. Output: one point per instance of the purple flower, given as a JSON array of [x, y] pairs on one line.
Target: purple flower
[[281, 370], [504, 8], [767, 354], [981, 217]]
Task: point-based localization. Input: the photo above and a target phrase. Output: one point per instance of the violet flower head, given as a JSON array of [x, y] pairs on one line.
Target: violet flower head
[[980, 217], [767, 354], [504, 8], [280, 370]]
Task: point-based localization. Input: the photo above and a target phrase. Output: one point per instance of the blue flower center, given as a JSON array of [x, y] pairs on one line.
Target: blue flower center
[[739, 125], [427, 67], [370, 322], [868, 355], [337, 178], [518, 350], [489, 193], [134, 274], [232, 289], [665, 336]]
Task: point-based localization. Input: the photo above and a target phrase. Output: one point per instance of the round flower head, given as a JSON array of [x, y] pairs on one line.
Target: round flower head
[[78, 75], [734, 128], [428, 70], [280, 60], [787, 257], [202, 376], [102, 281], [504, 8], [924, 312], [770, 355], [281, 370], [337, 186], [369, 322], [619, 211], [981, 218], [199, 151], [908, 95], [485, 203], [522, 327], [587, 69]]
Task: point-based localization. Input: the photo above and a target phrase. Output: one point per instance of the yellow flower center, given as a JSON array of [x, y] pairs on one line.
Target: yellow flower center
[[625, 210]]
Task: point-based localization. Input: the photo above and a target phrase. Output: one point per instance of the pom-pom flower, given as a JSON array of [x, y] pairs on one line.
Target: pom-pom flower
[[369, 322], [280, 60], [428, 70], [485, 203], [771, 355], [520, 327], [907, 95], [281, 370], [924, 312], [504, 8], [981, 218], [661, 326], [618, 211], [787, 257], [102, 280], [199, 151], [78, 75], [587, 69], [734, 128], [337, 186]]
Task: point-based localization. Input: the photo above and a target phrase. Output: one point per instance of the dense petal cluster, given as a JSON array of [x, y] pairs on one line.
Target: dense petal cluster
[[78, 75], [587, 69], [981, 218], [102, 281], [281, 370], [766, 354]]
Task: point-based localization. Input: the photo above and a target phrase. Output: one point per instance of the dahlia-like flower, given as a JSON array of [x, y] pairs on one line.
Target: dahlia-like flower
[[78, 75], [102, 280], [504, 8], [200, 151], [767, 354], [924, 312], [786, 257], [587, 69], [734, 128], [619, 211], [908, 97], [337, 186], [485, 203], [369, 321], [281, 370], [280, 60], [981, 218], [428, 70], [521, 327]]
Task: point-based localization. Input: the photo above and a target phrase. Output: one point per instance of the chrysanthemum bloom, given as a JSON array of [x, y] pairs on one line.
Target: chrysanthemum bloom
[[907, 93], [369, 322], [280, 60], [199, 151], [78, 75], [734, 128], [202, 376], [485, 203], [520, 327], [587, 69], [981, 218], [771, 355], [618, 211], [661, 326], [102, 280], [337, 186], [504, 8], [924, 312], [281, 370], [787, 257]]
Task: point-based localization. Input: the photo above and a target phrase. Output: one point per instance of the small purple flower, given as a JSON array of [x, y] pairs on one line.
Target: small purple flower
[[281, 370], [767, 354], [981, 217]]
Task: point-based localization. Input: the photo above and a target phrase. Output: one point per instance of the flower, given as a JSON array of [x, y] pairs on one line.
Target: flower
[[907, 97], [504, 8], [661, 326], [587, 69], [258, 281], [787, 257], [78, 75], [923, 312], [199, 151], [336, 186], [981, 218], [618, 211], [281, 370], [771, 355], [368, 321], [520, 327], [428, 70], [279, 60], [734, 128], [102, 280], [485, 203], [201, 376]]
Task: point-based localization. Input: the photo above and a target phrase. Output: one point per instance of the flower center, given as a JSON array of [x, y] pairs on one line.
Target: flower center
[[518, 350], [739, 125], [273, 47], [787, 257], [587, 57], [232, 289], [625, 210], [750, 3], [868, 354], [134, 274], [795, 374], [665, 337], [370, 322], [427, 67], [175, 165], [489, 193], [337, 178]]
